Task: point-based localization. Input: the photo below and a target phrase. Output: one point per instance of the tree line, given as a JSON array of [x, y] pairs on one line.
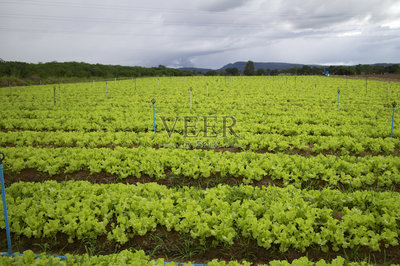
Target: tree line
[[21, 70], [249, 70], [20, 73]]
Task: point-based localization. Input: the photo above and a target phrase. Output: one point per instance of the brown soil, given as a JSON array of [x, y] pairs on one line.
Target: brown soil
[[70, 130], [180, 247], [290, 151], [33, 175], [229, 149]]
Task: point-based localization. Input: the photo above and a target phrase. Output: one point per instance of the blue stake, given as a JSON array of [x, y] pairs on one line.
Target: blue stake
[[154, 115], [338, 94], [3, 195], [394, 107]]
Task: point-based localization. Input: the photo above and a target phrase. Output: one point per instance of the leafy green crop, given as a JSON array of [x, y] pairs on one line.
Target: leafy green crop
[[139, 258], [354, 172], [296, 137], [283, 217]]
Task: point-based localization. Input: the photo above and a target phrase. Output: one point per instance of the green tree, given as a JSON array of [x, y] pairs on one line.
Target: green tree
[[232, 71], [260, 72], [344, 70], [249, 68], [211, 73], [274, 72], [393, 69]]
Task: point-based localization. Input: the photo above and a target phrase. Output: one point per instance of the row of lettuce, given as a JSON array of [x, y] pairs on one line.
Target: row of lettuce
[[254, 142], [276, 218], [242, 125], [128, 257], [247, 167]]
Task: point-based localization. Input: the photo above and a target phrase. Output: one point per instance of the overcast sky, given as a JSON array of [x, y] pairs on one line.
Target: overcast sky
[[200, 33]]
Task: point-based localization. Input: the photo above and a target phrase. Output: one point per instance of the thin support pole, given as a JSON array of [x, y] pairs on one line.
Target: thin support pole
[[3, 196], [190, 98], [338, 96], [394, 108], [315, 91], [154, 114], [54, 95]]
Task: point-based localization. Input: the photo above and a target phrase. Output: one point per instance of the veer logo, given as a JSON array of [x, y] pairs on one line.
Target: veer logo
[[190, 124]]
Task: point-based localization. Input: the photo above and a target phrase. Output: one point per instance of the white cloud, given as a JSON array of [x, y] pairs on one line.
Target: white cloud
[[349, 34], [395, 24], [205, 33]]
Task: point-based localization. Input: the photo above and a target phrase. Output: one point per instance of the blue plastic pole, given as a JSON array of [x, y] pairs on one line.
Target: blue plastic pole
[[154, 115], [338, 95], [3, 196], [394, 108]]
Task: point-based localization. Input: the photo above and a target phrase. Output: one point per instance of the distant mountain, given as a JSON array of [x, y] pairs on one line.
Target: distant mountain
[[240, 66], [257, 65], [384, 64], [265, 65]]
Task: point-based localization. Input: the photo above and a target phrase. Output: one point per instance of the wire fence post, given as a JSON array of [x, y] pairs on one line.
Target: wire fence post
[[394, 108], [338, 95], [315, 91], [154, 114], [190, 98], [3, 196], [54, 95], [301, 88]]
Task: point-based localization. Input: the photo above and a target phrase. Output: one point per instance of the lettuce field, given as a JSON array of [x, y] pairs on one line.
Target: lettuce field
[[219, 170]]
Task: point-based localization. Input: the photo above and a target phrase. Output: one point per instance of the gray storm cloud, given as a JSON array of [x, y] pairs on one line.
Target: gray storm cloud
[[200, 33], [225, 5]]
